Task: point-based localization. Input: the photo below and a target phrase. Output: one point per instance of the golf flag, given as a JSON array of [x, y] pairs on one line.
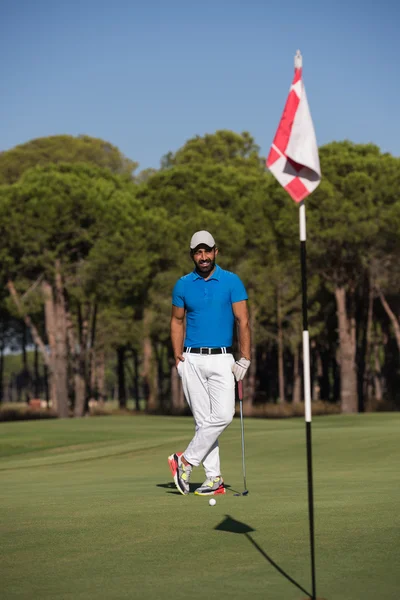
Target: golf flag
[[293, 158], [294, 161]]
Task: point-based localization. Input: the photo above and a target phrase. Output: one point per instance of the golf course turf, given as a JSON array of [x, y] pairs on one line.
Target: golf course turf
[[88, 511]]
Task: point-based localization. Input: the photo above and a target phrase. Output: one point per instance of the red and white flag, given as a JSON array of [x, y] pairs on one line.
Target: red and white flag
[[293, 158]]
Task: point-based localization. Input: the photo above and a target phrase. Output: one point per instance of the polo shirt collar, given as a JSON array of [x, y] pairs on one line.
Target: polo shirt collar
[[216, 275]]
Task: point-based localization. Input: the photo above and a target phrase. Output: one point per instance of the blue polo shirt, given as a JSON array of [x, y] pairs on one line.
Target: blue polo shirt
[[208, 304]]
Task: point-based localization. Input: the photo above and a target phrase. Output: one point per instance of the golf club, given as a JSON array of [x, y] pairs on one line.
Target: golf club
[[240, 392]]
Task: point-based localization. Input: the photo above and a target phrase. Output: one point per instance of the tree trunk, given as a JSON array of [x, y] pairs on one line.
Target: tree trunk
[[91, 378], [36, 376], [46, 385], [393, 319], [72, 352], [57, 374], [368, 334], [81, 362], [318, 376], [378, 392], [150, 379], [80, 392], [377, 377], [136, 379], [1, 371], [2, 344], [101, 375], [24, 344], [250, 391], [325, 383], [281, 374], [347, 354], [296, 377], [159, 359], [51, 338], [61, 344], [26, 379], [77, 355], [121, 376]]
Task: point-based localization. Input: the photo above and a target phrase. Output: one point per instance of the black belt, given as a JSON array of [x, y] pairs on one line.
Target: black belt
[[223, 350]]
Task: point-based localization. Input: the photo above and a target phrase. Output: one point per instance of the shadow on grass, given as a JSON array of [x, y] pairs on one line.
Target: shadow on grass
[[172, 489], [171, 486], [231, 525]]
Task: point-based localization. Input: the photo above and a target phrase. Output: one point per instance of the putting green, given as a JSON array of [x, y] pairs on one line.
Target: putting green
[[87, 511]]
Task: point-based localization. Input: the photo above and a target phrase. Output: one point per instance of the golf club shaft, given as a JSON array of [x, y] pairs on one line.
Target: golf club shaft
[[240, 392]]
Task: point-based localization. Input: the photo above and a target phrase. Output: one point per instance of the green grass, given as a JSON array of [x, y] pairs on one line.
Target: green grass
[[87, 511]]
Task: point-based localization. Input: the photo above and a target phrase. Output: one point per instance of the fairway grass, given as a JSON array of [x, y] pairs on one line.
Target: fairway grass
[[87, 511]]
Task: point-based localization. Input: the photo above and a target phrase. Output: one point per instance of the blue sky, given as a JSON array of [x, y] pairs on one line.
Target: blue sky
[[149, 75]]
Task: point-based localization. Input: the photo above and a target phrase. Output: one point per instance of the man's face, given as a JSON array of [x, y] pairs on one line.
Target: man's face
[[204, 259]]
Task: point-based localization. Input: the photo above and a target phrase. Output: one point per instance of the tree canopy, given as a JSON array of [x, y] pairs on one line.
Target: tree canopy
[[111, 247], [63, 149]]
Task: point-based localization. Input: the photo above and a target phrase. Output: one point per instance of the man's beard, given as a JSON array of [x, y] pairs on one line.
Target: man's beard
[[206, 269]]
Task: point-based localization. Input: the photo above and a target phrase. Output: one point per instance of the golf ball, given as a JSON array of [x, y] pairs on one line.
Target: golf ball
[[212, 502]]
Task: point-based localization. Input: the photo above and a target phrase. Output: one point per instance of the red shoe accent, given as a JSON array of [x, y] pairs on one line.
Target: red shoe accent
[[172, 463], [220, 490]]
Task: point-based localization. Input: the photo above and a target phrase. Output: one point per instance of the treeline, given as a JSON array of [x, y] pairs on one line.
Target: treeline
[[90, 251]]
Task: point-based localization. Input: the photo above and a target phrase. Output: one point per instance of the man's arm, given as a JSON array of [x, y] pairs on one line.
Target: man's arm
[[241, 313], [177, 332]]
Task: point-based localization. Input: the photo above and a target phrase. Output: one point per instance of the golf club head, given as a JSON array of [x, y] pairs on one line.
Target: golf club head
[[242, 493]]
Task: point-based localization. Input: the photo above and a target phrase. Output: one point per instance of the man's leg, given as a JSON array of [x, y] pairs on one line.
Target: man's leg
[[211, 462], [195, 388], [216, 372]]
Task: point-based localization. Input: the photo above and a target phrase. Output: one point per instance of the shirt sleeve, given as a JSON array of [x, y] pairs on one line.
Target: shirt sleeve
[[178, 295], [238, 291]]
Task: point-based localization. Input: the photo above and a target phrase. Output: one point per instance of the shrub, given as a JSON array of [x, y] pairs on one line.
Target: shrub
[[105, 409], [284, 411], [24, 412]]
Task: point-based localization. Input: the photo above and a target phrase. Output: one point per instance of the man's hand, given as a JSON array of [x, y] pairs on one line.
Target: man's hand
[[240, 367], [179, 358]]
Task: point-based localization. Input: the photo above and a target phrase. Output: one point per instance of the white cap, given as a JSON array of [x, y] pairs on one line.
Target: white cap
[[202, 237]]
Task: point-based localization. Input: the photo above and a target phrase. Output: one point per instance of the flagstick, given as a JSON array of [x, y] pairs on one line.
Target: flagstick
[[307, 388], [294, 161]]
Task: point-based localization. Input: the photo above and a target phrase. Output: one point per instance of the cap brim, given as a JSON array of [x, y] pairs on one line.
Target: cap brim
[[206, 246]]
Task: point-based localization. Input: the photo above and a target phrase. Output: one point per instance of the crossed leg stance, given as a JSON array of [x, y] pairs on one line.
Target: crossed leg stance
[[209, 388]]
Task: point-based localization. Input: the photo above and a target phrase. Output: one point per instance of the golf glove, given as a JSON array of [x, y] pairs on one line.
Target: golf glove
[[240, 367]]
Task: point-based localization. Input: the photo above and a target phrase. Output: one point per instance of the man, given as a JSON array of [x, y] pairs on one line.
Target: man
[[212, 300]]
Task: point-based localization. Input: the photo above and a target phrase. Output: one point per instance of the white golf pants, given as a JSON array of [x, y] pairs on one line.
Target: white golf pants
[[209, 388]]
